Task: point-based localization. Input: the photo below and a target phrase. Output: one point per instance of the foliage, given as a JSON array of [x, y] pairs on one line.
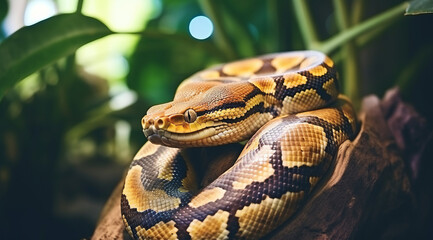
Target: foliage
[[65, 122], [51, 39], [419, 7]]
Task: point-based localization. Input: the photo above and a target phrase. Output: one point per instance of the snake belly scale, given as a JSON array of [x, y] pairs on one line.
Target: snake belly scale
[[286, 104]]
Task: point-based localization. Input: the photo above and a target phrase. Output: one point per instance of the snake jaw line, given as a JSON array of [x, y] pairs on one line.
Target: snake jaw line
[[172, 139]]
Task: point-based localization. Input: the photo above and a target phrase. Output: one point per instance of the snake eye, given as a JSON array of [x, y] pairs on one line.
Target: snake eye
[[190, 116]]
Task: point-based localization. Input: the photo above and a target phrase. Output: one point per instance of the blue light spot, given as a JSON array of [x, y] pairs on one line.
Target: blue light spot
[[200, 27]]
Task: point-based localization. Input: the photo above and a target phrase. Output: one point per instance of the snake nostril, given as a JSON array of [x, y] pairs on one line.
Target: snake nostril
[[147, 123], [160, 123]]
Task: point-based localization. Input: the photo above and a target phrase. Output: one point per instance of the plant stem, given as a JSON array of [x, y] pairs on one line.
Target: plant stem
[[365, 38], [305, 22], [353, 32], [221, 38], [350, 73], [340, 13], [79, 6], [357, 10]]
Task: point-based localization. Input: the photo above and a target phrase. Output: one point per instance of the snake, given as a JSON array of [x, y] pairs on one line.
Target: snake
[[288, 109]]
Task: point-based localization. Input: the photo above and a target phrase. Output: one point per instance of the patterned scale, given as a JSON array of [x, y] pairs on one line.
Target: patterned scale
[[279, 166]]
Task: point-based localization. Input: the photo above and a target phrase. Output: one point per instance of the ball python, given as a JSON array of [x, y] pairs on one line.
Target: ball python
[[288, 102]]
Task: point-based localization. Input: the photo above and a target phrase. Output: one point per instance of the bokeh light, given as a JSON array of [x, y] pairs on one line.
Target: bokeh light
[[200, 27], [38, 10]]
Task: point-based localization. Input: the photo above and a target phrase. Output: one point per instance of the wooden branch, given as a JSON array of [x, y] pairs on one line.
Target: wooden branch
[[110, 224]]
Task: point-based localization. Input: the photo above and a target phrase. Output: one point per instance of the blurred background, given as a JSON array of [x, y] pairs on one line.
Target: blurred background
[[69, 131]]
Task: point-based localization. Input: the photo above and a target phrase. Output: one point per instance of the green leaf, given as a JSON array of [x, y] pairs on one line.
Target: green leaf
[[34, 47], [4, 7], [419, 7]]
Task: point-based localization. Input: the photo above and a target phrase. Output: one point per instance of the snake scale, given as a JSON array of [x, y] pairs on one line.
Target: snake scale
[[288, 102]]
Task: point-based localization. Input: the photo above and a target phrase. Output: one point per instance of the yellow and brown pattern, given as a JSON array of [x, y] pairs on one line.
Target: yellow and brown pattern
[[290, 105]]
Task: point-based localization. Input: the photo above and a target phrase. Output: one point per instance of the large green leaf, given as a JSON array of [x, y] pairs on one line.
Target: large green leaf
[[419, 7], [31, 48]]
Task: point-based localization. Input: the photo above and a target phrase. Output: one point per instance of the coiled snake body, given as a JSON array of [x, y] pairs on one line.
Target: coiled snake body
[[291, 104]]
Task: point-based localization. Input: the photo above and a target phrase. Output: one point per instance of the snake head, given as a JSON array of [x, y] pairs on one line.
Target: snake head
[[171, 124], [229, 103], [213, 115]]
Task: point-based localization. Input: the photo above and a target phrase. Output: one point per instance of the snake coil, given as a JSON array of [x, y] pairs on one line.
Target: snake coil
[[290, 105]]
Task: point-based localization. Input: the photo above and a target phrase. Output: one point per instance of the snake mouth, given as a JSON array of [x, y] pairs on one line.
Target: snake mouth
[[172, 139]]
